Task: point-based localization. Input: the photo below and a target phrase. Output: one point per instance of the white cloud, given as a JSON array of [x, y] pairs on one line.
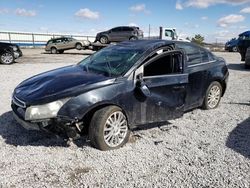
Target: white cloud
[[132, 24], [191, 25], [88, 14], [139, 8], [178, 5], [24, 12], [207, 3], [204, 18], [230, 19], [4, 11], [245, 10]]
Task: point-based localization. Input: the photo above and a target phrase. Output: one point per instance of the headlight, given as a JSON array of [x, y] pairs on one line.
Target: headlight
[[14, 48], [45, 111]]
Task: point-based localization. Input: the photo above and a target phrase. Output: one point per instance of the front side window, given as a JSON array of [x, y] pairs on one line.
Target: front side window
[[111, 62], [169, 33], [168, 64]]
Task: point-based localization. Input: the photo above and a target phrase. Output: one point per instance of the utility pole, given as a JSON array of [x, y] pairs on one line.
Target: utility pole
[[149, 31]]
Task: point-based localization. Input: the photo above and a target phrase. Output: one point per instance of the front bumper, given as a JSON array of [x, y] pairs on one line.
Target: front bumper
[[25, 124]]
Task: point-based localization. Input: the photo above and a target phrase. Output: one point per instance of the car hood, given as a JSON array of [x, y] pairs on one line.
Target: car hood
[[57, 84]]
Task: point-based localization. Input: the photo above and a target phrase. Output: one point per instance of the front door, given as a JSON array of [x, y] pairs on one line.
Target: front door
[[166, 83]]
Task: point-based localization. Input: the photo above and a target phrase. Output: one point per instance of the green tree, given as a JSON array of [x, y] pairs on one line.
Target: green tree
[[198, 39]]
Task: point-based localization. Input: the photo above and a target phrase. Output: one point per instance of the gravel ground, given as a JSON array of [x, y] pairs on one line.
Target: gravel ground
[[201, 149]]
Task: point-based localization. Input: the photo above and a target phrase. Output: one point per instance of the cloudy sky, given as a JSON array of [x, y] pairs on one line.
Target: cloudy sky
[[216, 20]]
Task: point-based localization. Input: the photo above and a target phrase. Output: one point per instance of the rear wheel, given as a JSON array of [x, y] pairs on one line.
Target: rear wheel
[[78, 46], [109, 128], [53, 50], [133, 38], [7, 58], [104, 40], [213, 96]]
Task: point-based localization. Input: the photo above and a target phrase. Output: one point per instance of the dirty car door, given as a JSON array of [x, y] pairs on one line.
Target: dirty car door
[[165, 83]]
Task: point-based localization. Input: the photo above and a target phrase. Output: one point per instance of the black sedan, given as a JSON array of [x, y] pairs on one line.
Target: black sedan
[[9, 52], [121, 87]]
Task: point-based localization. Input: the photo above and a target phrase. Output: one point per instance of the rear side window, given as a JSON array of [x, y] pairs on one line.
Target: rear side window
[[127, 29], [204, 55], [168, 64], [192, 51]]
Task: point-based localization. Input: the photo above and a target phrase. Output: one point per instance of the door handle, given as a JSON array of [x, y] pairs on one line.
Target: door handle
[[178, 87]]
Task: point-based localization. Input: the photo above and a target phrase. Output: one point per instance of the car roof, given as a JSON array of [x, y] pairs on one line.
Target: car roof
[[145, 45], [62, 37], [245, 33]]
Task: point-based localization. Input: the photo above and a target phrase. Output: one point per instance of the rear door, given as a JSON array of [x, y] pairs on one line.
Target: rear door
[[198, 63], [164, 78], [115, 34]]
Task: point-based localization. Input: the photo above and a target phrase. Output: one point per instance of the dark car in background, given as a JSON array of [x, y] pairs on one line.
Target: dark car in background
[[119, 34], [247, 59], [231, 45], [9, 52], [59, 45], [121, 87], [243, 44]]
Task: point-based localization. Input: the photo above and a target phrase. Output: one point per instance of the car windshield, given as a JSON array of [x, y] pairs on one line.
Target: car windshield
[[111, 62]]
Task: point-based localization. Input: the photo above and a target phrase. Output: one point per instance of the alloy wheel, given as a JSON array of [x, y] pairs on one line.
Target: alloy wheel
[[7, 58], [214, 96], [115, 129]]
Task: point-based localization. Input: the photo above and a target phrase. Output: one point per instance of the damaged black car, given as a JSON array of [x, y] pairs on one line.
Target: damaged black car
[[121, 87]]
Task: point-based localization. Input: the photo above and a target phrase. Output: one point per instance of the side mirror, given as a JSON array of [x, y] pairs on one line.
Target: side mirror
[[142, 87], [144, 90]]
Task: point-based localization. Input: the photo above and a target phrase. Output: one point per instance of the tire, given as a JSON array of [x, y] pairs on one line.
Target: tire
[[104, 40], [133, 38], [234, 49], [60, 51], [213, 96], [53, 50], [78, 46], [7, 58], [104, 133]]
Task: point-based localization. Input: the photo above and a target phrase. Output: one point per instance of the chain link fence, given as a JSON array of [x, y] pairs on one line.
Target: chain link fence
[[36, 39]]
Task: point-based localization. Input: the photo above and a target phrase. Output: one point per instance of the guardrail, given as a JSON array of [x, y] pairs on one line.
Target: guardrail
[[36, 39]]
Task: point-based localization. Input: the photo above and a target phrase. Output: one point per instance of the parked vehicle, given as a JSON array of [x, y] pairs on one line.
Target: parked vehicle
[[247, 61], [170, 34], [119, 34], [59, 45], [9, 52], [122, 87], [243, 44], [231, 45]]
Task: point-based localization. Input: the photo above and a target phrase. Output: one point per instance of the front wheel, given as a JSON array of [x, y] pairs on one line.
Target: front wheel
[[7, 58], [109, 128], [213, 96], [53, 50], [234, 49], [104, 40]]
